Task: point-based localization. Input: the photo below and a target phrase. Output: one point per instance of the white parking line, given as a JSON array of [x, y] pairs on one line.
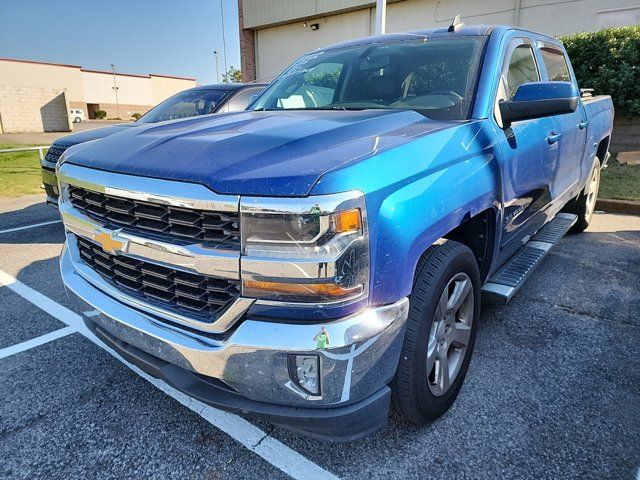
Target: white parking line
[[36, 342], [17, 229], [273, 451]]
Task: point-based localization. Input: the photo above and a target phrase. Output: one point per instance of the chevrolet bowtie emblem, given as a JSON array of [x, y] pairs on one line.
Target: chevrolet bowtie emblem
[[107, 243]]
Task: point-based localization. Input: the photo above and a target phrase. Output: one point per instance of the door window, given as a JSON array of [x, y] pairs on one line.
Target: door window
[[522, 69], [555, 64]]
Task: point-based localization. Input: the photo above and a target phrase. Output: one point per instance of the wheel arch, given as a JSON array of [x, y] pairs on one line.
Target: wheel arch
[[478, 233], [603, 148]]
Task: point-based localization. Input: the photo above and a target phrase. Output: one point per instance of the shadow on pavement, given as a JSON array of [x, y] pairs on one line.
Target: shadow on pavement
[[25, 211]]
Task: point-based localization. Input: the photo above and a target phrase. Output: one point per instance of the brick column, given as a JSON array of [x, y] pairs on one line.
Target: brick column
[[247, 49]]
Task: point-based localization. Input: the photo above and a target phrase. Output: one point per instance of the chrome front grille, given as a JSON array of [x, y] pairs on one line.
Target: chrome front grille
[[198, 296], [216, 229]]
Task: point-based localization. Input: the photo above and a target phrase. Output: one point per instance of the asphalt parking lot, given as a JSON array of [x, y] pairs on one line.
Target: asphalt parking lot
[[48, 138], [553, 390]]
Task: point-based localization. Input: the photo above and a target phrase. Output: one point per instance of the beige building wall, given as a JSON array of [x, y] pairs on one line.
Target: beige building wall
[[278, 46], [162, 87], [552, 18], [43, 75], [88, 90], [33, 109], [132, 90]]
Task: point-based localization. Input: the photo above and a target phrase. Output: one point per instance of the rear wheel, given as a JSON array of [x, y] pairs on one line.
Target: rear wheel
[[441, 329], [585, 204]]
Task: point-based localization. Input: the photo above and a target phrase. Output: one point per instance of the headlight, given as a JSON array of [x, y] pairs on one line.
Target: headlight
[[311, 250]]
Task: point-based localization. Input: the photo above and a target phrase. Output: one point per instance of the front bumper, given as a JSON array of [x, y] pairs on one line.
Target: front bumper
[[50, 183], [246, 369]]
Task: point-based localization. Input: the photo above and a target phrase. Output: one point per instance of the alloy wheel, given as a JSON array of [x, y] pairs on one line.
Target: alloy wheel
[[592, 191], [450, 334]]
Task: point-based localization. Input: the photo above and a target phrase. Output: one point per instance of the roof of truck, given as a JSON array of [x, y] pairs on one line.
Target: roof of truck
[[228, 86], [465, 31]]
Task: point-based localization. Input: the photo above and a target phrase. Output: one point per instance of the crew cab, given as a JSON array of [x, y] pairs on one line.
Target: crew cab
[[312, 258], [203, 100]]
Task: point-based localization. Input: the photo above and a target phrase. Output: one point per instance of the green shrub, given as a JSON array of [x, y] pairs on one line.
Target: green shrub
[[609, 62], [100, 114], [136, 115]]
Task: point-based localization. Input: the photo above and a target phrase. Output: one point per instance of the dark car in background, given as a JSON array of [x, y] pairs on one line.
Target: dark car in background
[[203, 100]]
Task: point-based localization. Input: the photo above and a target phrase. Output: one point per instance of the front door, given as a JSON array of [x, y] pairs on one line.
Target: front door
[[530, 150]]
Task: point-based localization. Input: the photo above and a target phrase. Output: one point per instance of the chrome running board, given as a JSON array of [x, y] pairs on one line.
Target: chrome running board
[[505, 283]]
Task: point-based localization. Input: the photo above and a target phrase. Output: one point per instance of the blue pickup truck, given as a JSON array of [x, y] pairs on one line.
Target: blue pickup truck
[[322, 254]]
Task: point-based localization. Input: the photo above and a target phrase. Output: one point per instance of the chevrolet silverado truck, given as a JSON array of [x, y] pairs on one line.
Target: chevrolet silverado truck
[[323, 253], [202, 100]]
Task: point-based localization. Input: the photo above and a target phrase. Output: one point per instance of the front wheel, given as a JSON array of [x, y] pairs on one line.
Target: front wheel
[[77, 120], [441, 328]]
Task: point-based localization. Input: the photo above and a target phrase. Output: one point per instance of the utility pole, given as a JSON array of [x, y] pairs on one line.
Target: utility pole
[[381, 16], [516, 13], [115, 89], [224, 43], [215, 52]]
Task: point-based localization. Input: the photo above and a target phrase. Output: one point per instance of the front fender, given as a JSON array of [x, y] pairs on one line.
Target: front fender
[[415, 194]]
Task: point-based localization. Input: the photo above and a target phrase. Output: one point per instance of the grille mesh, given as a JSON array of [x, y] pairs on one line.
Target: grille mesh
[[54, 153], [173, 223], [196, 295]]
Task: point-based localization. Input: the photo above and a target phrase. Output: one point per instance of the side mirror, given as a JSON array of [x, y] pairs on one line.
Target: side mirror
[[540, 99]]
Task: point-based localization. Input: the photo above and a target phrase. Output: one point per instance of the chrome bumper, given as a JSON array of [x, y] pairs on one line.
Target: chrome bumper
[[362, 357], [50, 183]]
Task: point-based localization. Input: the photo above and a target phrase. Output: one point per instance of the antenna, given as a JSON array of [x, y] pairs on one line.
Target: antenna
[[456, 24]]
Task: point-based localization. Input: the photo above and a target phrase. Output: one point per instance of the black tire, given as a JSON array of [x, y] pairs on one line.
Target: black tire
[[584, 204], [412, 393], [77, 120]]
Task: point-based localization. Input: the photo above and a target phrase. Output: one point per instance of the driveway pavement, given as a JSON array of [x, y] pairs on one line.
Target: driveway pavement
[[553, 389]]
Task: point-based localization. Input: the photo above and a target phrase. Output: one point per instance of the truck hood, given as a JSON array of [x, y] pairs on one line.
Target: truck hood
[[93, 134], [281, 153]]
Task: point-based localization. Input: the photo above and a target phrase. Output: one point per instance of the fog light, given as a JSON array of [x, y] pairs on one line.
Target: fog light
[[304, 371]]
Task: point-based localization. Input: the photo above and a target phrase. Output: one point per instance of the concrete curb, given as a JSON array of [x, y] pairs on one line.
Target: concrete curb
[[609, 205]]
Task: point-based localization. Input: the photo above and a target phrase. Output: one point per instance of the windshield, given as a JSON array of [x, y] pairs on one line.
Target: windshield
[[435, 77], [189, 103]]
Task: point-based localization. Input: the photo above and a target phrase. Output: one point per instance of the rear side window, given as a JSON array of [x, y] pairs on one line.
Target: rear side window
[[555, 64], [522, 69]]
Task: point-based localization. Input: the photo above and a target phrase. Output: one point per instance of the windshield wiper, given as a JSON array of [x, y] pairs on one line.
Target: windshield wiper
[[332, 107]]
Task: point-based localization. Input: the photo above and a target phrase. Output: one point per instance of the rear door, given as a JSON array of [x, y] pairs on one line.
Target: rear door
[[530, 161], [572, 126]]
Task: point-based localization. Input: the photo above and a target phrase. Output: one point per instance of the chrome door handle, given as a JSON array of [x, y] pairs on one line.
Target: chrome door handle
[[583, 125], [553, 138]]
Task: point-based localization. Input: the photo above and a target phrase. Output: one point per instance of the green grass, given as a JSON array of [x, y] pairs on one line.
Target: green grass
[[19, 172], [621, 182]]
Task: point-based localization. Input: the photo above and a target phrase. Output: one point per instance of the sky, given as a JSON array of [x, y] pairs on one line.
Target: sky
[[170, 37]]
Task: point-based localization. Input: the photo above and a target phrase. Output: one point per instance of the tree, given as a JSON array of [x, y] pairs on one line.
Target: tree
[[607, 61], [232, 75]]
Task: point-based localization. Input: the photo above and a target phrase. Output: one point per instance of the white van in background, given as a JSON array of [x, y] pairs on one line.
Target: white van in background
[[77, 115]]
